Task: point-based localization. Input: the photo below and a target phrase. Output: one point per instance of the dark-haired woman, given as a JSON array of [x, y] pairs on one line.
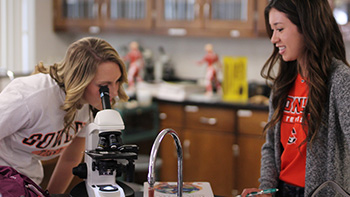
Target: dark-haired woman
[[308, 133]]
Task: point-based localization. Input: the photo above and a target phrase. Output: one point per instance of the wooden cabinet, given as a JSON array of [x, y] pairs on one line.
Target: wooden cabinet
[[208, 156], [232, 18], [128, 15], [171, 116], [229, 18], [94, 16], [220, 145], [207, 138], [250, 138], [260, 24]]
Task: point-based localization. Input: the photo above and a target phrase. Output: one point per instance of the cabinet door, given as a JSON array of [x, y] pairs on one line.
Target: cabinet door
[[171, 116], [236, 17], [208, 156], [209, 118], [168, 171], [94, 16], [251, 122], [77, 15], [261, 4], [220, 18], [250, 138], [248, 161], [131, 14], [179, 14]]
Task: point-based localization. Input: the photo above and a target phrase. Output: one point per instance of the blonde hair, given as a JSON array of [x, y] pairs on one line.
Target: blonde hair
[[77, 70]]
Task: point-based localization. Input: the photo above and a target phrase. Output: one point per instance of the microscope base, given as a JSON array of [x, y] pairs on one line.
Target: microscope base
[[80, 190]]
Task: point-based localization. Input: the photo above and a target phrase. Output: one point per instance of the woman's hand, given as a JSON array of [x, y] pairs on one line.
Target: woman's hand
[[247, 191]]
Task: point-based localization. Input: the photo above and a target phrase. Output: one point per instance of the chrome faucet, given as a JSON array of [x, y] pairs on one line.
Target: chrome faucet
[[152, 159]]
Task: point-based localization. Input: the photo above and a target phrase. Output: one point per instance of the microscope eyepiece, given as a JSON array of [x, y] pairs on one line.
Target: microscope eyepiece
[[104, 94]]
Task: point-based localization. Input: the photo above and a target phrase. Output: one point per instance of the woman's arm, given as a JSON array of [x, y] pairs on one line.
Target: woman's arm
[[268, 170], [62, 175]]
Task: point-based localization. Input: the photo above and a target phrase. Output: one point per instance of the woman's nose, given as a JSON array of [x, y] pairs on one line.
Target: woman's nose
[[274, 38]]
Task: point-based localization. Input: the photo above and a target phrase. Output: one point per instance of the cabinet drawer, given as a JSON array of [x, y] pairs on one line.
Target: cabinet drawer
[[171, 115], [209, 118], [251, 122]]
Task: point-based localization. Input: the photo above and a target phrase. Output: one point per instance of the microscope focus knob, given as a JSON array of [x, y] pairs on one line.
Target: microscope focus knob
[[80, 171]]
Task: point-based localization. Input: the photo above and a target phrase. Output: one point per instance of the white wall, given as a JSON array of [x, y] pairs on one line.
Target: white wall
[[186, 51], [50, 47]]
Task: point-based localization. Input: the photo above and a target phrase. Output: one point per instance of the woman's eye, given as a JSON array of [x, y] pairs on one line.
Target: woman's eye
[[281, 29]]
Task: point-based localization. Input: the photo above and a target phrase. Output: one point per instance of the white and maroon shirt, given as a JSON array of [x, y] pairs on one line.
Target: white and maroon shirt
[[31, 124]]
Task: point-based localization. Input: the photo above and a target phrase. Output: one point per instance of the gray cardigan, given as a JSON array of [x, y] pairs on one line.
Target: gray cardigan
[[329, 156]]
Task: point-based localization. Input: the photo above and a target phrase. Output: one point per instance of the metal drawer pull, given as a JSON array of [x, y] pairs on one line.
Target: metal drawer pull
[[162, 116], [244, 113], [236, 150], [187, 144], [263, 124], [209, 121], [191, 108]]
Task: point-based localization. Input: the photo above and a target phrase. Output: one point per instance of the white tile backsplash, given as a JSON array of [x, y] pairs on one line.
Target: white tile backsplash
[[186, 51]]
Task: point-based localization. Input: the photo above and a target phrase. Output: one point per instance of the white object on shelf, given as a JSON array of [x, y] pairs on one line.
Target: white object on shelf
[[178, 91]]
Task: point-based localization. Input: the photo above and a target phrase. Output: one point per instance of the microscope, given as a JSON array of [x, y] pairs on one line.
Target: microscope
[[106, 157]]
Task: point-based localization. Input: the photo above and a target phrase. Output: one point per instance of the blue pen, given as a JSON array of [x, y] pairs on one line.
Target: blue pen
[[266, 191]]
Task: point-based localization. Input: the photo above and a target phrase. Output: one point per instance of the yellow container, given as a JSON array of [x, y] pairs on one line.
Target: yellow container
[[235, 83]]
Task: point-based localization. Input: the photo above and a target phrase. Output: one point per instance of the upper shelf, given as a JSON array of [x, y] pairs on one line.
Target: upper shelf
[[94, 16], [211, 18], [217, 18]]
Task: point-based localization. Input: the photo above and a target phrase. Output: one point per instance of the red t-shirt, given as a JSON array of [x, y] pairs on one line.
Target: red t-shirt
[[293, 158]]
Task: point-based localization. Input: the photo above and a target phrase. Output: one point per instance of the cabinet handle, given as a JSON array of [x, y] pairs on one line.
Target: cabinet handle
[[95, 10], [235, 33], [234, 192], [235, 150], [206, 8], [263, 124], [177, 31], [163, 116], [209, 121], [187, 144], [244, 113], [191, 108], [94, 29], [196, 10], [104, 9]]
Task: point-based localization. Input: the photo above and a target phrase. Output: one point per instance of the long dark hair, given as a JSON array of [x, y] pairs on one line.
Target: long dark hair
[[323, 42]]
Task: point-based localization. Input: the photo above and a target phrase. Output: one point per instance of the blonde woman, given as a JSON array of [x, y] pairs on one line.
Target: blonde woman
[[43, 115]]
